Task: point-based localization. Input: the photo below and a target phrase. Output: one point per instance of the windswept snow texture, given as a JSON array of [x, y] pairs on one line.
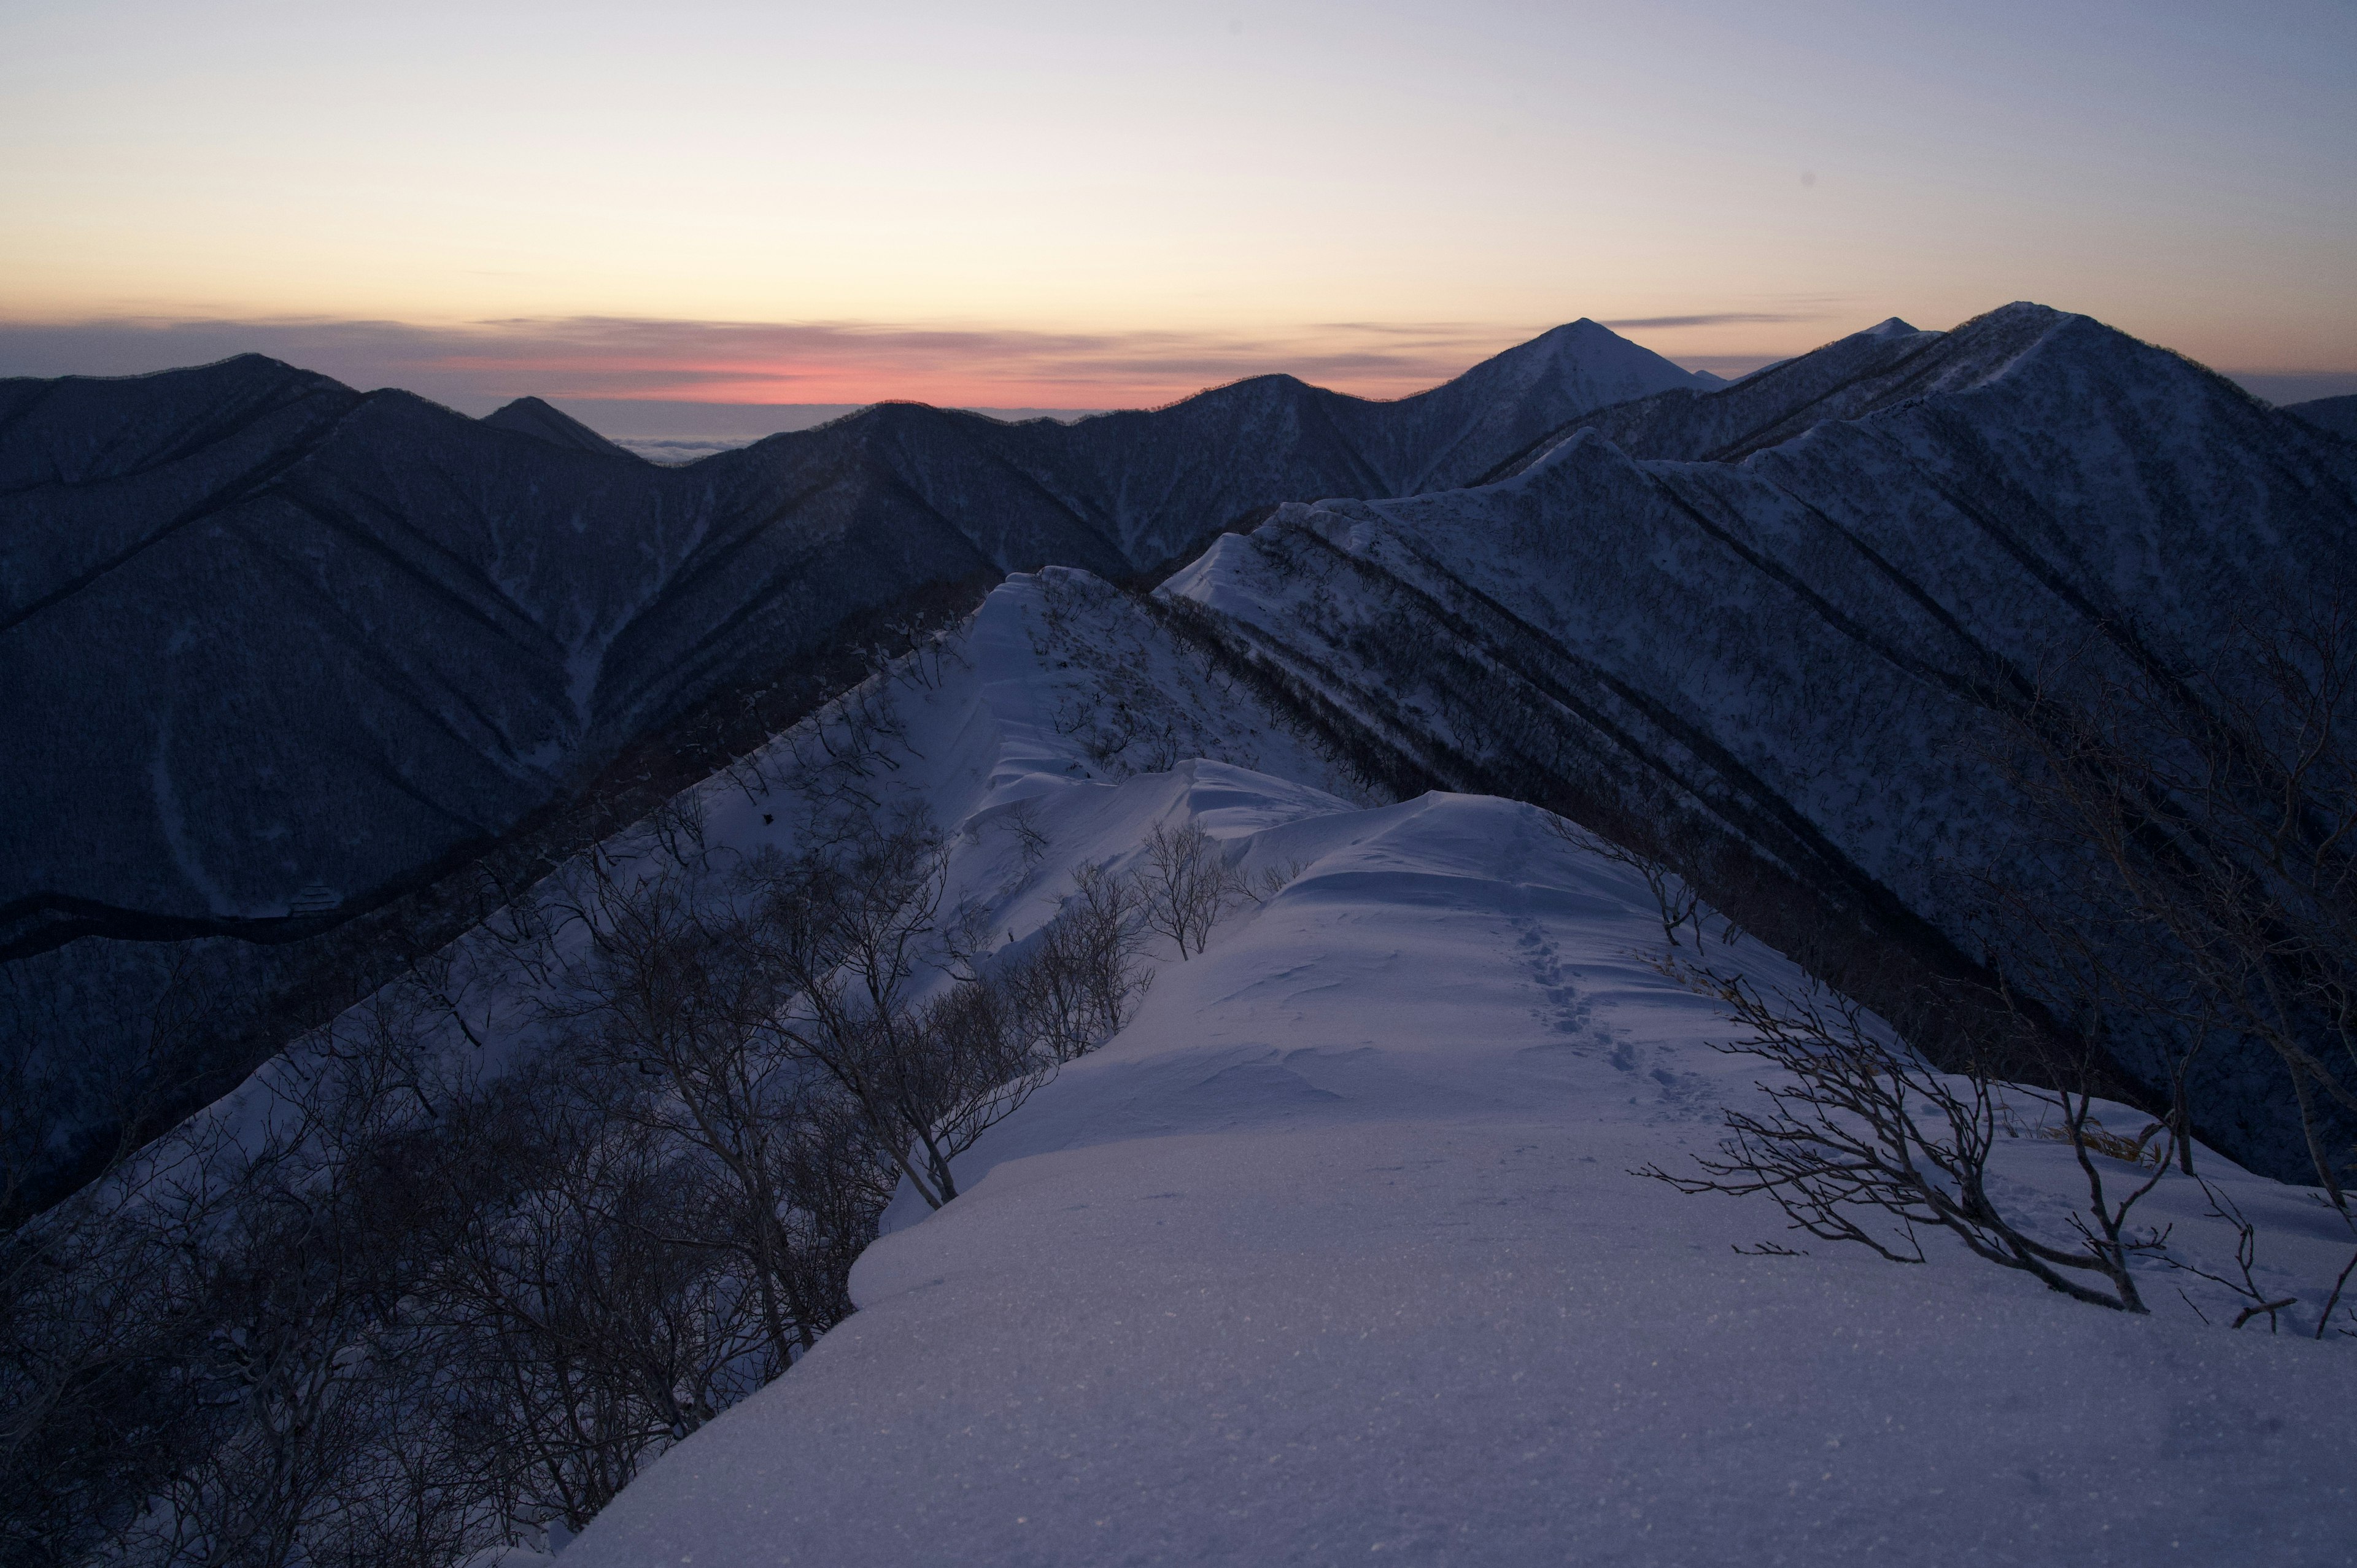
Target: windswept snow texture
[[259, 631], [1334, 1254], [1779, 610]]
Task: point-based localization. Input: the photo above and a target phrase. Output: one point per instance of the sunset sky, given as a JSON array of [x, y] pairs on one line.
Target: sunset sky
[[1102, 205]]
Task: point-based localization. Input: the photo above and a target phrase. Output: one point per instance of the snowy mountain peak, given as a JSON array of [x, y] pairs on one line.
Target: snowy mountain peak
[[1586, 349]]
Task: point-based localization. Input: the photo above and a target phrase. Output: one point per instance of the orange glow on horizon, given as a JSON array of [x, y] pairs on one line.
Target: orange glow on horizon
[[1060, 205], [598, 359]]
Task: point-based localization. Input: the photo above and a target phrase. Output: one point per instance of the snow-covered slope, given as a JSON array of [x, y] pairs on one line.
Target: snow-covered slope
[[1334, 1254], [1335, 1251]]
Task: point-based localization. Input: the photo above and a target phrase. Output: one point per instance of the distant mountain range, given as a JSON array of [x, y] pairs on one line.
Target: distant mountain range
[[264, 634], [274, 650], [1767, 621]]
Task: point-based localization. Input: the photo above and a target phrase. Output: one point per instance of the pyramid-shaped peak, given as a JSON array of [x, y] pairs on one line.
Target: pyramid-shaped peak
[[1584, 347], [545, 422], [1585, 332]]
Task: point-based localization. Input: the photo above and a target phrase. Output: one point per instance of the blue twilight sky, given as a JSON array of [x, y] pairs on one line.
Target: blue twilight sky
[[1086, 205]]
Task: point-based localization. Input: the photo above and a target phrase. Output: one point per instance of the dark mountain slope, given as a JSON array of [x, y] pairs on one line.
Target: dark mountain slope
[[1779, 663], [2337, 415], [1144, 480]]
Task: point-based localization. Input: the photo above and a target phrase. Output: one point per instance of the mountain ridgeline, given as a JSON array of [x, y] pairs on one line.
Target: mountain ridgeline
[[283, 660], [1795, 637], [264, 633], [271, 643]]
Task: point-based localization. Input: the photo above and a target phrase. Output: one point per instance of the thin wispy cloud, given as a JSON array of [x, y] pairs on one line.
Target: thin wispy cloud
[[1716, 318]]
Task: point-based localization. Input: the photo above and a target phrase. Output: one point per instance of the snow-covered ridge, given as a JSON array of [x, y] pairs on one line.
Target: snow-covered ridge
[[1335, 1250], [408, 628]]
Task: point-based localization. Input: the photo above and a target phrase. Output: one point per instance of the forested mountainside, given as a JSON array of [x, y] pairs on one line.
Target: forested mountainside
[[2337, 415], [1781, 633]]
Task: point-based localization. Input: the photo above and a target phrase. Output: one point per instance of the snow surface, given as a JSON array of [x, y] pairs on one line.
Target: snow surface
[[1334, 1254]]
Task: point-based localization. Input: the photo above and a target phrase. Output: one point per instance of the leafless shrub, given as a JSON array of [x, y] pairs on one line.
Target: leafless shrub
[[1674, 898], [674, 989], [2261, 1300], [1022, 819], [1862, 1143], [933, 651], [1273, 880], [598, 1308], [832, 763], [844, 930], [270, 1401], [473, 1255], [392, 1314]]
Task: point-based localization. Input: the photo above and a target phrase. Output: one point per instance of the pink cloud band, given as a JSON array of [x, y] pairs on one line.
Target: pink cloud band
[[765, 363]]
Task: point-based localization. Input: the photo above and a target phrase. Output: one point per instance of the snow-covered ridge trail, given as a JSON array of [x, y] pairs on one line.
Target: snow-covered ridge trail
[[1333, 1254]]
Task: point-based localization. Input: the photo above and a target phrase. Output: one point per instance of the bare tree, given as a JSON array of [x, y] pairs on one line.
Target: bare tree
[[852, 932], [672, 989], [470, 1256], [1075, 987], [392, 1314], [843, 929], [297, 1231], [590, 1317], [1185, 885], [1022, 819]]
